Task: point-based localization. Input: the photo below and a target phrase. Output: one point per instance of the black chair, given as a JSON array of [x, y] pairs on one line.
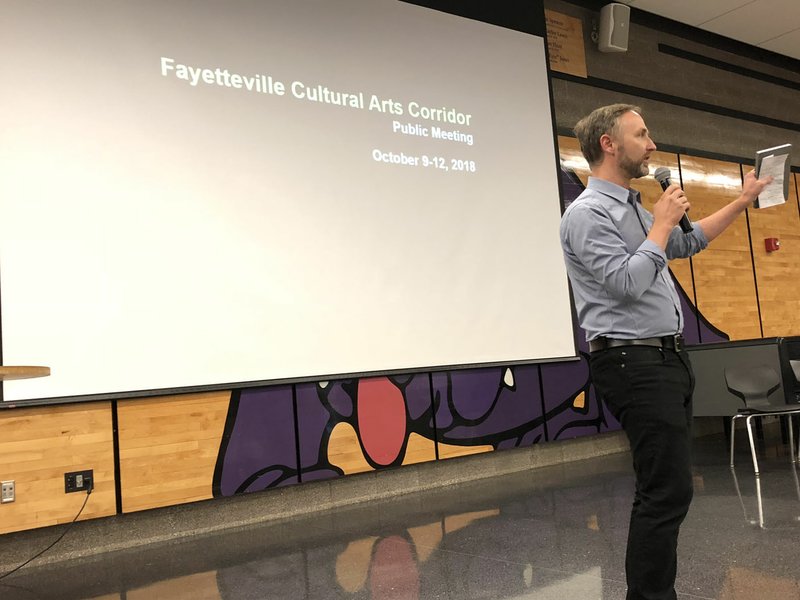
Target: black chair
[[795, 364], [754, 385]]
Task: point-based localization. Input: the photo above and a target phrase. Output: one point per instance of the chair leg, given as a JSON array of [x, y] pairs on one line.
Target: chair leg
[[791, 440], [733, 421], [760, 503], [752, 443], [797, 454], [784, 430], [794, 422]]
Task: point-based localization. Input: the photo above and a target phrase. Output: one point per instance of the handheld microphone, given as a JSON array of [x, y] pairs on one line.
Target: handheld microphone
[[664, 177]]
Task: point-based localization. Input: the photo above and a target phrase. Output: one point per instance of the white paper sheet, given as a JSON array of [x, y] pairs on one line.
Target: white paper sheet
[[773, 193]]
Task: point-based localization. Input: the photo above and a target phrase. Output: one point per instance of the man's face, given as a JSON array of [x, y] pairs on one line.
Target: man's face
[[633, 145]]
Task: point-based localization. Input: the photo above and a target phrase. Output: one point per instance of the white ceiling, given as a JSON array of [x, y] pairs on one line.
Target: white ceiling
[[770, 24]]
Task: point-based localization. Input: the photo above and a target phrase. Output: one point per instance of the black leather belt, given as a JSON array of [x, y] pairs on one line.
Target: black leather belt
[[672, 342]]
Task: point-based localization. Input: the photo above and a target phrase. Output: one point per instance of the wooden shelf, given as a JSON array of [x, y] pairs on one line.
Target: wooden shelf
[[7, 373]]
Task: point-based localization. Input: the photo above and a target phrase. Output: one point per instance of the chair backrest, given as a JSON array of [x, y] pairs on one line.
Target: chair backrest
[[753, 384], [795, 369]]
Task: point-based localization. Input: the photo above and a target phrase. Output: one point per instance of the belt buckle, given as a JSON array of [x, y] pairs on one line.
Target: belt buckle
[[680, 345]]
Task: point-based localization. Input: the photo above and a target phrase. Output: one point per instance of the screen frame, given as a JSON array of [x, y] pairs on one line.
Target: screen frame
[[528, 18]]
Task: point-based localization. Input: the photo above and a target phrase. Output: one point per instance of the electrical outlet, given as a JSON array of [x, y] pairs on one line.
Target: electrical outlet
[[8, 491], [78, 481]]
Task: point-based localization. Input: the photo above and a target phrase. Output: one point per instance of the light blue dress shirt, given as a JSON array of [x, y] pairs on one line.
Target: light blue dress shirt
[[620, 279]]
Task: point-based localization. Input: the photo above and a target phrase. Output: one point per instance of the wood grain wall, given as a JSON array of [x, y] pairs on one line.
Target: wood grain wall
[[168, 448], [570, 151], [723, 273], [38, 446], [778, 273]]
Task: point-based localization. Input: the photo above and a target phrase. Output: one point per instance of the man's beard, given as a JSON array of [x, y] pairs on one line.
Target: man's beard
[[633, 169]]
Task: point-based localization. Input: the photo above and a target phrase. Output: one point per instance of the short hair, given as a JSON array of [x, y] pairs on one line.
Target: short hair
[[593, 126]]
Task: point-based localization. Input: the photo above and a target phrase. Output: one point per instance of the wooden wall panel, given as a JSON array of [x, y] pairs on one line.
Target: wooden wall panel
[[778, 273], [570, 151], [38, 445], [452, 451], [723, 273], [168, 448]]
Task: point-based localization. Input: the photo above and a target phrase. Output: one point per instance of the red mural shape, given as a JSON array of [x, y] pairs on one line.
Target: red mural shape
[[381, 419]]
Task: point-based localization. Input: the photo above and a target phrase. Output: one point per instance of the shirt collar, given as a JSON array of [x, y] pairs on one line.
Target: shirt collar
[[611, 189]]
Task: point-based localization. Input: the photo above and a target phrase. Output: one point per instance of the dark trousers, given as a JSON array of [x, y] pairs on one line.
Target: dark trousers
[[649, 391]]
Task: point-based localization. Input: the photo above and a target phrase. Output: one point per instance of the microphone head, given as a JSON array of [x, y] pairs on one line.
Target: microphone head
[[662, 175]]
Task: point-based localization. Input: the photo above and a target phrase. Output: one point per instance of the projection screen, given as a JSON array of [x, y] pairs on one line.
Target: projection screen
[[201, 193]]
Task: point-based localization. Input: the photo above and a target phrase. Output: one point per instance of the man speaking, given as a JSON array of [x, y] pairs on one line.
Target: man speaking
[[616, 254]]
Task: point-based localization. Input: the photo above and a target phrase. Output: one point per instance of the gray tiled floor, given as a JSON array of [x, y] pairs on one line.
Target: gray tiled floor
[[554, 533]]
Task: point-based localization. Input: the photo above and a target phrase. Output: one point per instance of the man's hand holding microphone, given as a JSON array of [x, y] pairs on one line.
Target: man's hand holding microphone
[[671, 208]]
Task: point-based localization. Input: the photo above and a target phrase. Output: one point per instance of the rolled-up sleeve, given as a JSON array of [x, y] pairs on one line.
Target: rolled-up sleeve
[[684, 245], [597, 245], [679, 244]]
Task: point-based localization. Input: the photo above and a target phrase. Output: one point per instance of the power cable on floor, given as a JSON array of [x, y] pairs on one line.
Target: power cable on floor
[[15, 569]]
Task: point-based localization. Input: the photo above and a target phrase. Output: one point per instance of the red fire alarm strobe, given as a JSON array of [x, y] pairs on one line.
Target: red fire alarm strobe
[[772, 244]]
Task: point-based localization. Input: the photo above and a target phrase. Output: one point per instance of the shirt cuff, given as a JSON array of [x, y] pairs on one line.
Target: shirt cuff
[[655, 252], [699, 234]]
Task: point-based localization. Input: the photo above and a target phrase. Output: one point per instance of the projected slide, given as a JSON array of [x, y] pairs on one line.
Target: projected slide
[[198, 193]]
